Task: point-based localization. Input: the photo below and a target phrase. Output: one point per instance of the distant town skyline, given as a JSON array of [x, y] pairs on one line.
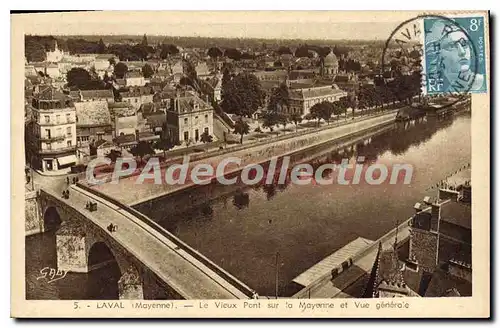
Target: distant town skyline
[[262, 25]]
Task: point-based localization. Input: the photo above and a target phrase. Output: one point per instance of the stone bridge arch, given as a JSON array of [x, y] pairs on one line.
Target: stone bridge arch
[[84, 248], [77, 241], [51, 219]]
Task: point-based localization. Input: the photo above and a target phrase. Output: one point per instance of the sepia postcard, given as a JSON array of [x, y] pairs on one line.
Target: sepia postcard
[[251, 164]]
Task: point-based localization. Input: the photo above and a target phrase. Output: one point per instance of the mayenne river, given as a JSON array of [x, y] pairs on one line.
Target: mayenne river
[[243, 230]]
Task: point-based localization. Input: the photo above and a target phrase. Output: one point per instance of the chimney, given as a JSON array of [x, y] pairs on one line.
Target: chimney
[[417, 207], [412, 264], [435, 216], [467, 193]]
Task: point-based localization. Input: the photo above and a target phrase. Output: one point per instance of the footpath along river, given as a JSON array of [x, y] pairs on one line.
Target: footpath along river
[[244, 229]]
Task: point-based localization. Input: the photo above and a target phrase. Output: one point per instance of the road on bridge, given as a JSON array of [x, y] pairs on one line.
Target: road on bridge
[[188, 276]]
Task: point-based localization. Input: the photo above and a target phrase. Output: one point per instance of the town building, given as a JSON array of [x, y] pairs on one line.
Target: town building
[[137, 96], [53, 135], [202, 70], [54, 56], [188, 117], [329, 65], [135, 79], [103, 62], [176, 67], [278, 75], [348, 82], [213, 87], [93, 95], [93, 122], [301, 98], [437, 260]]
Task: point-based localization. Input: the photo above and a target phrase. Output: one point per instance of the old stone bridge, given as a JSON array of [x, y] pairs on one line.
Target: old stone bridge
[[150, 262]]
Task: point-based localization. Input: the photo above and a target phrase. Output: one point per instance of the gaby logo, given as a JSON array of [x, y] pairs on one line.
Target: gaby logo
[[229, 171]]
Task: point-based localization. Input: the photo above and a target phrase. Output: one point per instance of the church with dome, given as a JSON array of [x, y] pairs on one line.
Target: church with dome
[[329, 65]]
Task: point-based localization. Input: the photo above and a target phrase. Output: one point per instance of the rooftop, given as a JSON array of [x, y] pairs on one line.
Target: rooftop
[[92, 94], [93, 113], [134, 74], [457, 213], [315, 92]]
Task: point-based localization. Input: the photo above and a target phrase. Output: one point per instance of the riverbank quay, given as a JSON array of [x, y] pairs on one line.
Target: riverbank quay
[[130, 193]]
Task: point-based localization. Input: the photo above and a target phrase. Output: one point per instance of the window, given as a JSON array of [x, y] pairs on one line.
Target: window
[[68, 131], [47, 133], [68, 118], [47, 119], [58, 118], [186, 136], [206, 131], [206, 118], [59, 132], [185, 121], [68, 143], [49, 145]]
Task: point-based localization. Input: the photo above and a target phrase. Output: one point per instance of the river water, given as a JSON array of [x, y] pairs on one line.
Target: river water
[[243, 230]]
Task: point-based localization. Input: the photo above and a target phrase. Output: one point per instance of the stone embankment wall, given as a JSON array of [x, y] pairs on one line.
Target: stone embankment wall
[[196, 197]]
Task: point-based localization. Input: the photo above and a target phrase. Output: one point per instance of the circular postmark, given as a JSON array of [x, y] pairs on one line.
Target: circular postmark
[[431, 56]]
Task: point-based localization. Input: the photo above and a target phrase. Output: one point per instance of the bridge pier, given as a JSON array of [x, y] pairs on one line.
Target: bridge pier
[[130, 285], [71, 247]]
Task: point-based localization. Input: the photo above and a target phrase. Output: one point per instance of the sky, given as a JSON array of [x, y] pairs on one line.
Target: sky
[[254, 24]]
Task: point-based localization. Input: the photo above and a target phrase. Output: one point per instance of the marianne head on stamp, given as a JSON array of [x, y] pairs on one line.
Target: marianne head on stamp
[[451, 56]]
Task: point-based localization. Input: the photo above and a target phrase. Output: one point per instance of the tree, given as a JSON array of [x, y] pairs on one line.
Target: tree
[[113, 155], [147, 71], [283, 119], [144, 42], [78, 78], [316, 112], [214, 52], [303, 51], [337, 109], [242, 95], [279, 98], [141, 51], [34, 50], [227, 71], [284, 51], [233, 53], [271, 119], [326, 111], [296, 119], [120, 70], [106, 79], [101, 47], [164, 144], [205, 137], [241, 127], [167, 50], [142, 149]]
